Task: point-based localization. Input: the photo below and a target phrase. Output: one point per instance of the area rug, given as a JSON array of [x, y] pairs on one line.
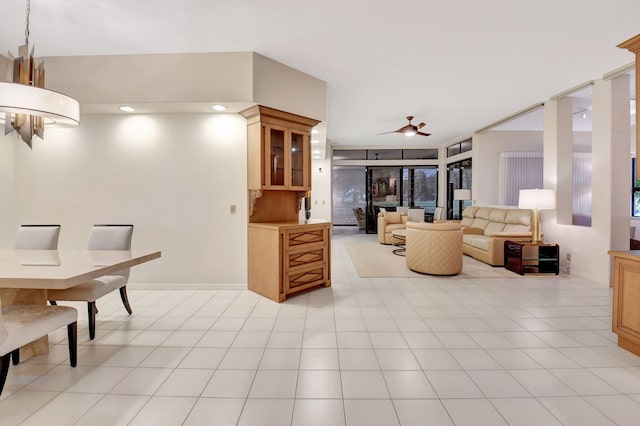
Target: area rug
[[375, 260]]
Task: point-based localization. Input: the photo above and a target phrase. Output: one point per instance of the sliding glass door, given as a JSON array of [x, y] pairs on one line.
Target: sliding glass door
[[458, 177]]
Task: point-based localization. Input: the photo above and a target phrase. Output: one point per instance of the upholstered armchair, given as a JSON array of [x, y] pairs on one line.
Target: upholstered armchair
[[389, 222], [434, 248]]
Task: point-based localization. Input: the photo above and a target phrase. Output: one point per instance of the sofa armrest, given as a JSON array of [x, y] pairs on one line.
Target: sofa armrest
[[508, 235], [472, 230]]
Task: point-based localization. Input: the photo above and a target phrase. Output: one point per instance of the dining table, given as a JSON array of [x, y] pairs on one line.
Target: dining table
[[26, 275]]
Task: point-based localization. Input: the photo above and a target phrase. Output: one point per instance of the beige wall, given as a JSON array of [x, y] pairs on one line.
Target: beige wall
[[173, 176]]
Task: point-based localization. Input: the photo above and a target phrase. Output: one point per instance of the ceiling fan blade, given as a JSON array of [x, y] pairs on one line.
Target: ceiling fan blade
[[421, 125], [423, 134], [386, 133]]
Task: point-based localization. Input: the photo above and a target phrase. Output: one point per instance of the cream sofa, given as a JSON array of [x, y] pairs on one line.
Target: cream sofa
[[389, 222], [485, 229]]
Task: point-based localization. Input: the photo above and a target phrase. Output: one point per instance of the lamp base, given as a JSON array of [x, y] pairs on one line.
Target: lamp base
[[536, 229]]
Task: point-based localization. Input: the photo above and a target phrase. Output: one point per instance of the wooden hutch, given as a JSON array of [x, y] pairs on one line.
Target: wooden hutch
[[284, 255]]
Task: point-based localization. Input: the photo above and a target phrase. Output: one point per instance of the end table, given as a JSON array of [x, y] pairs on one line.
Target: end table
[[531, 258]]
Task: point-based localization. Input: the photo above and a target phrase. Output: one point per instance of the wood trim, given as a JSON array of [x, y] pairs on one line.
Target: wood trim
[[632, 45], [263, 112]]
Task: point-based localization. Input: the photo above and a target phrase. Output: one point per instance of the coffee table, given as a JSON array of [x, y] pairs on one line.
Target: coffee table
[[401, 235]]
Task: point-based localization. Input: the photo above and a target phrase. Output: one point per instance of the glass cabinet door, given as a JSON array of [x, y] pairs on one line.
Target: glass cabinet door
[[276, 163], [297, 159]]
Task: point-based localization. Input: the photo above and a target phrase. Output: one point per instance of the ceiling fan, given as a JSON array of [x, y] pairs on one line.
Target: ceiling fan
[[410, 129]]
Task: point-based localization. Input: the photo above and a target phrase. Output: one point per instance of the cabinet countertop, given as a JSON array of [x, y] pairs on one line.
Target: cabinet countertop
[[285, 224], [626, 254]]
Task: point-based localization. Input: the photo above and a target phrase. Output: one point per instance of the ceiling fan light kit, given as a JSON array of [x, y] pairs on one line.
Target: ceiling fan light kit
[[410, 129]]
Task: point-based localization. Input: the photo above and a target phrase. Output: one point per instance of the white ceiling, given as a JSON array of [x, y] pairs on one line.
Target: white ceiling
[[457, 65]]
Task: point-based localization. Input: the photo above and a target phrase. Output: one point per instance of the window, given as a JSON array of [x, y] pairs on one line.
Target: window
[[387, 154], [459, 148]]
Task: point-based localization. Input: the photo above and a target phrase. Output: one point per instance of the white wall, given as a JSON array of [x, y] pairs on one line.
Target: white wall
[[487, 147], [173, 176], [589, 245]]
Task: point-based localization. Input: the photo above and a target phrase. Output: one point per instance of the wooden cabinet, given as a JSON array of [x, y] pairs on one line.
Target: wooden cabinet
[[626, 298], [285, 258], [279, 149]]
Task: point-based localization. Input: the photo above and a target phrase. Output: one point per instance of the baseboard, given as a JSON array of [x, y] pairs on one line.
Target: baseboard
[[186, 286]]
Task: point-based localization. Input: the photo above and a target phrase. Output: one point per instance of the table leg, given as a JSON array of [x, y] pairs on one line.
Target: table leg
[[17, 296]]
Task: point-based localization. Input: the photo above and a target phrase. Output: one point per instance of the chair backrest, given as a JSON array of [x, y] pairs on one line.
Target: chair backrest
[[111, 237], [38, 237], [416, 215], [438, 214]]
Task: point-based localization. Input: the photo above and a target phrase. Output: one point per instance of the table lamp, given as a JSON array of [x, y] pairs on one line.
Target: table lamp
[[461, 195], [536, 200]]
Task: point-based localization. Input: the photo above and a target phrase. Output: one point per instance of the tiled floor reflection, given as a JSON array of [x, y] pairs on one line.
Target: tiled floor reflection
[[387, 351]]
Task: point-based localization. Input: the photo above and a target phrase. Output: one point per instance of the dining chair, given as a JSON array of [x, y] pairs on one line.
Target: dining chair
[[22, 324], [37, 237], [103, 237]]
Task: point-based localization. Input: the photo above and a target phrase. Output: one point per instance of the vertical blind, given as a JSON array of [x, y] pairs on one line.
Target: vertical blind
[[518, 170], [582, 188], [523, 170]]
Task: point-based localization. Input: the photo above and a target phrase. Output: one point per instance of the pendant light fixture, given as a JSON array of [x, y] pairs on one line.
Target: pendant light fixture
[[25, 104]]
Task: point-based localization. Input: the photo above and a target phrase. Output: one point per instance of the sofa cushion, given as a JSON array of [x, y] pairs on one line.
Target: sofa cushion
[[480, 223], [493, 227], [470, 212], [484, 213], [519, 217], [393, 217], [393, 227], [481, 242], [516, 229], [498, 215]]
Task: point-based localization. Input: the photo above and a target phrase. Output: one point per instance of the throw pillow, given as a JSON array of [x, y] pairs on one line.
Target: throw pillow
[[393, 217]]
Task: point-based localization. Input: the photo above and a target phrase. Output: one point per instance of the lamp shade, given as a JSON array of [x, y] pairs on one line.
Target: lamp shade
[[461, 194], [53, 106], [540, 199]]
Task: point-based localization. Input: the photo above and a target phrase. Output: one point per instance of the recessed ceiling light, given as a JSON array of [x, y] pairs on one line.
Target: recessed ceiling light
[[219, 107], [316, 152], [315, 141], [127, 108], [314, 132]]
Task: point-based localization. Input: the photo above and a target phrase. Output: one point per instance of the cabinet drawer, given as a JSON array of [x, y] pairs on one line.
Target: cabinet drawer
[[300, 258], [303, 237], [305, 277]]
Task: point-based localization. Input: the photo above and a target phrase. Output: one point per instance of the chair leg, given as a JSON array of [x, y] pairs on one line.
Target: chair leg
[[91, 308], [72, 333], [125, 299], [4, 369], [15, 356]]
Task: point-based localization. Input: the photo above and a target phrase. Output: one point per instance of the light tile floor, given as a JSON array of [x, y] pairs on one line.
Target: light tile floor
[[388, 351]]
